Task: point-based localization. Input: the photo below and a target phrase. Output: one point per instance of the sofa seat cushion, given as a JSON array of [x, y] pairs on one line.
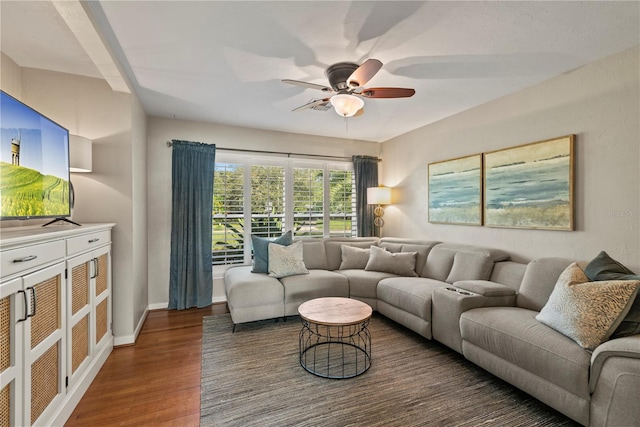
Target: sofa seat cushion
[[411, 294], [363, 283], [247, 289], [513, 334], [316, 284]]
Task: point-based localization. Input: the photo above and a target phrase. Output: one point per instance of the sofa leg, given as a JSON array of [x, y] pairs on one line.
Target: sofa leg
[[233, 331]]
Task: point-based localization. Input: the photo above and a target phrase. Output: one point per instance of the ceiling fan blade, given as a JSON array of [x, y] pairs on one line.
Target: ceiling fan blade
[[387, 92], [311, 104], [308, 85], [364, 73]]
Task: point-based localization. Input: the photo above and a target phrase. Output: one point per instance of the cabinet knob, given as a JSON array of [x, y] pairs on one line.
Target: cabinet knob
[[94, 240]]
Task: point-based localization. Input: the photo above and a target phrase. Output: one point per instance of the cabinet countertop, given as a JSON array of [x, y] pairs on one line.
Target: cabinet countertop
[[14, 236]]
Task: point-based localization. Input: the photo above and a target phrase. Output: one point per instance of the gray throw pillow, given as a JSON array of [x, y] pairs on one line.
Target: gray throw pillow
[[354, 258], [587, 312], [400, 263], [286, 260], [470, 266], [603, 267], [260, 247]]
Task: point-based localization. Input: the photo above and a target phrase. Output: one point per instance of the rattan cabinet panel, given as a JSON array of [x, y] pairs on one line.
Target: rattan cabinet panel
[[45, 340]]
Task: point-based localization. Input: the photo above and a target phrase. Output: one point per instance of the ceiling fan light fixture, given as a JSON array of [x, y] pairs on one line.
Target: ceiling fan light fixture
[[346, 105]]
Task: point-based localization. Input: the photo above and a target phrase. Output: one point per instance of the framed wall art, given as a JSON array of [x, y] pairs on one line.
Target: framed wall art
[[530, 186], [455, 191]]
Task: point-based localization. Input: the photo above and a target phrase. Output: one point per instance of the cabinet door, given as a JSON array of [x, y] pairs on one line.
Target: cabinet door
[[12, 315], [44, 344], [102, 296], [79, 317]]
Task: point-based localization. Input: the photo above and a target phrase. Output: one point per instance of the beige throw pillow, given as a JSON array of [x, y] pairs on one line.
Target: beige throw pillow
[[400, 263], [286, 260], [354, 258], [587, 312]]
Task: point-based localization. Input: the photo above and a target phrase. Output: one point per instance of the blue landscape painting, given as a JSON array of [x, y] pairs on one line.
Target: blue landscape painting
[[455, 191], [530, 186]]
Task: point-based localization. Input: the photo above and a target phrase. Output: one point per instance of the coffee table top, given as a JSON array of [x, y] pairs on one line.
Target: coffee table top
[[335, 311]]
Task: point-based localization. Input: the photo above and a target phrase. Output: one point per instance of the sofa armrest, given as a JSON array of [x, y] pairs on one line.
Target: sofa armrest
[[448, 304], [626, 347], [485, 288]]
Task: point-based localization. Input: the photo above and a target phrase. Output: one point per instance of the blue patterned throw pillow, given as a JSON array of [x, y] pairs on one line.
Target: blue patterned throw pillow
[[260, 247]]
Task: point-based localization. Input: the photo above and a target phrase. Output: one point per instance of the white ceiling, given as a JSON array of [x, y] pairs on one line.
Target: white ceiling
[[222, 61]]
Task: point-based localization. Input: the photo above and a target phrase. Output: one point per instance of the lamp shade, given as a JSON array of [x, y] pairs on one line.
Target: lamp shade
[[346, 105], [80, 157], [379, 195]]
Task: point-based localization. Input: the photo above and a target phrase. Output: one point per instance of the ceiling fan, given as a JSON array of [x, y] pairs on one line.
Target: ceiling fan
[[346, 80]]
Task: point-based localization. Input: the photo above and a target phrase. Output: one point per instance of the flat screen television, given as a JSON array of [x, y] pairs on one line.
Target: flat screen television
[[34, 163]]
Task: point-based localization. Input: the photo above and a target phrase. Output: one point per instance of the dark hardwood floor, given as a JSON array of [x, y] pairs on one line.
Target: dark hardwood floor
[[155, 382]]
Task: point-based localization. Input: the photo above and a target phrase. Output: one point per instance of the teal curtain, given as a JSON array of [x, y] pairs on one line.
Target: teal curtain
[[191, 278], [366, 175]]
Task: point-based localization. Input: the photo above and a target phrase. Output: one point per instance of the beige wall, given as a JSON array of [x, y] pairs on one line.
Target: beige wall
[[159, 157], [116, 124], [599, 103], [139, 215], [10, 76]]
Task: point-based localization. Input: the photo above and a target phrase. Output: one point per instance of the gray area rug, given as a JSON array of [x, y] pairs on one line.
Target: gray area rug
[[253, 378]]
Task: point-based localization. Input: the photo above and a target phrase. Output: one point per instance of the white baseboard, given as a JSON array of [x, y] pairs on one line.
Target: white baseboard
[[140, 323], [163, 305], [124, 340], [158, 306], [131, 339]]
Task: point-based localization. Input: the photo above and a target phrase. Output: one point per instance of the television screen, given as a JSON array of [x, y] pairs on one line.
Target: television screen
[[34, 163]]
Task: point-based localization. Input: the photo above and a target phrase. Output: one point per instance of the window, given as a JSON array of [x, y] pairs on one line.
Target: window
[[266, 196], [228, 214]]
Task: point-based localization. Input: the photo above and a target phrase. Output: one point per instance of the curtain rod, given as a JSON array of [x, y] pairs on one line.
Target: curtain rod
[[242, 150]]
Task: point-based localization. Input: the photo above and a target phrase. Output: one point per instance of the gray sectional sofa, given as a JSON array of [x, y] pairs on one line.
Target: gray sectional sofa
[[476, 301]]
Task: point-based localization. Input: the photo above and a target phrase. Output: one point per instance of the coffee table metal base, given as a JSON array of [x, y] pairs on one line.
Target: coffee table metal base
[[335, 351]]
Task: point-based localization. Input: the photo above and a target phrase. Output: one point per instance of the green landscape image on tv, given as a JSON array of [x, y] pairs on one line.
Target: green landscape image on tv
[[34, 163]]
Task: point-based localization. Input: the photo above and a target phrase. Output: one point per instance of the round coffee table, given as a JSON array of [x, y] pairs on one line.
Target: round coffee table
[[334, 340]]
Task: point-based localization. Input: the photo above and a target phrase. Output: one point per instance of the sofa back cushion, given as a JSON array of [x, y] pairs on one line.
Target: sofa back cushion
[[421, 247], [509, 273], [333, 248], [539, 280], [451, 262], [314, 254]]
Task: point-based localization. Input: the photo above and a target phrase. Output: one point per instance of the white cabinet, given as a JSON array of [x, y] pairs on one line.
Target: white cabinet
[[55, 319], [89, 314]]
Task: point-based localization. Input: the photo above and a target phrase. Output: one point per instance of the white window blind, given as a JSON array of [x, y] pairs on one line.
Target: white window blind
[[308, 202], [267, 200], [228, 214], [342, 209]]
